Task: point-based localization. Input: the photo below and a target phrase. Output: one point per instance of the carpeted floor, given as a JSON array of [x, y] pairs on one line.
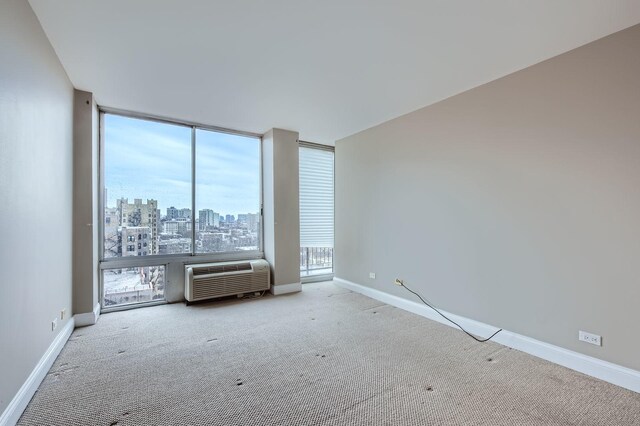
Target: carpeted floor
[[325, 356]]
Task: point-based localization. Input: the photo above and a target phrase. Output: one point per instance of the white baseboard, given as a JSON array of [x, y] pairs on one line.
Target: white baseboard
[[16, 407], [88, 318], [286, 288], [603, 370]]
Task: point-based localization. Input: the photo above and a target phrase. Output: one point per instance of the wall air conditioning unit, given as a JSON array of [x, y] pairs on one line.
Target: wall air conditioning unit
[[209, 280]]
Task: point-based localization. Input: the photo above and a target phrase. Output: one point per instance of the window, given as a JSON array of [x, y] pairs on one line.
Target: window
[[227, 185], [148, 172], [133, 285], [169, 187], [147, 167], [316, 209]]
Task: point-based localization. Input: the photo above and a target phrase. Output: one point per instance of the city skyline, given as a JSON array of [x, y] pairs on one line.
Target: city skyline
[[152, 160], [134, 228], [163, 211]]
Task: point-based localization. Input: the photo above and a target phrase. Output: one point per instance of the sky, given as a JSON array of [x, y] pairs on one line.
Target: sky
[[147, 159]]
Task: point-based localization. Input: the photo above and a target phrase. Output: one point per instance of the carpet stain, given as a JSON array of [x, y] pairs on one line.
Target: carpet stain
[[497, 351], [355, 404], [62, 370], [375, 307]]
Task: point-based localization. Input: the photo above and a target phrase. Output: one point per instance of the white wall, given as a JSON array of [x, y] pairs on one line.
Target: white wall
[[36, 106], [516, 203]]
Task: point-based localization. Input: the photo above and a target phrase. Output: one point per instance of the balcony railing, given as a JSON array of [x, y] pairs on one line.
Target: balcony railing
[[316, 260]]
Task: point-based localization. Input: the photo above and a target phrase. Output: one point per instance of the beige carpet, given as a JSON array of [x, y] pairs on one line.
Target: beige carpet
[[325, 356]]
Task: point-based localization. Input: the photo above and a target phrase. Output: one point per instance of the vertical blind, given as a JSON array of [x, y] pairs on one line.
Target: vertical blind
[[316, 197]]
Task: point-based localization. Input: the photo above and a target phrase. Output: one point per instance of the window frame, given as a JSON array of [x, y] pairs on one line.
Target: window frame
[[165, 259]]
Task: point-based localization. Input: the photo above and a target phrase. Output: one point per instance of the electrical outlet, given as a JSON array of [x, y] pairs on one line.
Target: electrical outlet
[[63, 313], [398, 281], [594, 339], [372, 275], [54, 324]]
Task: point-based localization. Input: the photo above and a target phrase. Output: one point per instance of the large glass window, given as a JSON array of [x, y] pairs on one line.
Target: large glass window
[[147, 171], [227, 192], [173, 189], [316, 210]]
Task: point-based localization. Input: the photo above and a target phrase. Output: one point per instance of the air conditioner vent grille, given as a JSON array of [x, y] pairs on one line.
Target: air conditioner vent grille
[[206, 281], [229, 285]]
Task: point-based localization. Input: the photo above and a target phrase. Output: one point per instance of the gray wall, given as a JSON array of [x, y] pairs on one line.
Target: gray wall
[[516, 203], [85, 198], [281, 205], [36, 105]]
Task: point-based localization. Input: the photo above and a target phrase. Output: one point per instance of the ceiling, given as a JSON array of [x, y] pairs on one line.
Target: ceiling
[[327, 69]]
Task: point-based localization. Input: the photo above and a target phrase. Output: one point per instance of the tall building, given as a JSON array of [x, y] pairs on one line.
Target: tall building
[[208, 219], [184, 214], [139, 214], [252, 221], [172, 213], [249, 221], [136, 240], [230, 218]]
